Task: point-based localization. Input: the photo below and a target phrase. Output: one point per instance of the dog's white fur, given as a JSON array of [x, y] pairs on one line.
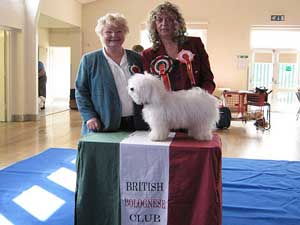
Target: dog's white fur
[[194, 109]]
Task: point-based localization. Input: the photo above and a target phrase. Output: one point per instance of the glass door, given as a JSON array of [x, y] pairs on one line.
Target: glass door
[[277, 70], [285, 80], [261, 70]]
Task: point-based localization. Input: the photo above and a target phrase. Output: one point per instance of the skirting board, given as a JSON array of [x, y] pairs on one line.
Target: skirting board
[[26, 117]]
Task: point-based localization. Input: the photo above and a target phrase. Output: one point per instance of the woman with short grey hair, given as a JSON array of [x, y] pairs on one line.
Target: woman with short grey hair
[[101, 84], [114, 19]]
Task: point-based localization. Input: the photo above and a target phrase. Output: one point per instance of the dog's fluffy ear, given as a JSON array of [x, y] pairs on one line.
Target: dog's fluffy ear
[[146, 92], [157, 90], [147, 89]]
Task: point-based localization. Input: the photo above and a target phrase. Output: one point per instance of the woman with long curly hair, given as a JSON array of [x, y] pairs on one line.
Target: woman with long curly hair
[[181, 61]]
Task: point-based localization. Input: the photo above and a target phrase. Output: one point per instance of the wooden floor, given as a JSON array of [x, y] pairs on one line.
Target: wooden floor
[[20, 140]]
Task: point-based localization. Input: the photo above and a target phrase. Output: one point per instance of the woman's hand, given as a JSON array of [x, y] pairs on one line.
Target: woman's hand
[[93, 124]]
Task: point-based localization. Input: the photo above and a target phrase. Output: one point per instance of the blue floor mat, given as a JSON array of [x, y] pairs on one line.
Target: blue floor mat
[[255, 192], [261, 192], [30, 181]]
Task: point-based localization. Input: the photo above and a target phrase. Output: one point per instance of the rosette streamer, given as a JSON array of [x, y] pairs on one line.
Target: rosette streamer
[[185, 56]]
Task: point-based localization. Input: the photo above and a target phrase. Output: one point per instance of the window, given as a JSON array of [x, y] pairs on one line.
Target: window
[[275, 38]]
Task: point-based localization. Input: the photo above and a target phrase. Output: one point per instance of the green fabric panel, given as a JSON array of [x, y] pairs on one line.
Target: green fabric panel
[[98, 166]]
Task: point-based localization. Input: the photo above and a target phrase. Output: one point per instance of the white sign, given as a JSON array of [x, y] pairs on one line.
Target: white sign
[[144, 180]]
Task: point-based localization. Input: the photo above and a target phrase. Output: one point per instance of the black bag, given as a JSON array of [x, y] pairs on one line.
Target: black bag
[[225, 118], [263, 90]]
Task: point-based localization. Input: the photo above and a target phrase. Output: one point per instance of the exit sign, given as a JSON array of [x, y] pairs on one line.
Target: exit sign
[[277, 18]]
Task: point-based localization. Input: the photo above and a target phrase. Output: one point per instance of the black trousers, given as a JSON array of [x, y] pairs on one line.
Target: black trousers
[[127, 123], [42, 86]]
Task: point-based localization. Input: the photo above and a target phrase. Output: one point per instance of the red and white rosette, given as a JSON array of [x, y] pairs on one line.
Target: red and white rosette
[[134, 69], [162, 65], [185, 56]]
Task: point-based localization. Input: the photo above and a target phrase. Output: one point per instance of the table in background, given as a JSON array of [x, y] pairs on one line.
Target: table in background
[[195, 180]]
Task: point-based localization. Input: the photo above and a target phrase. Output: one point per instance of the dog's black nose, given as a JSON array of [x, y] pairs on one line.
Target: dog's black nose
[[131, 89]]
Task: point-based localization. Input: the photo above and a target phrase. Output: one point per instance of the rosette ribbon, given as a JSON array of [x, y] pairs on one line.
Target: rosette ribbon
[[162, 65], [185, 56], [134, 69]]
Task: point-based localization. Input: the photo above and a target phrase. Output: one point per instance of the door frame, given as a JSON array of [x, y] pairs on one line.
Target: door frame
[[8, 53], [275, 73], [58, 102], [3, 94]]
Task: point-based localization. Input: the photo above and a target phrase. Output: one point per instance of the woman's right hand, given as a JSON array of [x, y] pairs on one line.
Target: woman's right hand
[[93, 124]]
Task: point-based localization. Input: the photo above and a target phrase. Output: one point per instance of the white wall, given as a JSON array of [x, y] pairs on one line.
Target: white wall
[[17, 85], [43, 46], [68, 38], [229, 23], [30, 57], [2, 76], [12, 13], [63, 37], [21, 17], [68, 11], [12, 18], [43, 34]]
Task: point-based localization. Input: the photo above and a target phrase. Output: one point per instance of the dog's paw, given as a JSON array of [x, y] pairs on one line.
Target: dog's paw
[[155, 136]]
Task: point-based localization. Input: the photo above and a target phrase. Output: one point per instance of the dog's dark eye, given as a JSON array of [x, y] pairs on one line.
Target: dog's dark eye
[[132, 89]]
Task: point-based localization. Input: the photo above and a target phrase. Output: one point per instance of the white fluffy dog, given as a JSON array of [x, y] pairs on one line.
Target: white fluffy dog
[[194, 109]]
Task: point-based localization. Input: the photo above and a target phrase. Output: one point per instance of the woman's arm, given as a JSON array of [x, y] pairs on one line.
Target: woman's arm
[[83, 92]]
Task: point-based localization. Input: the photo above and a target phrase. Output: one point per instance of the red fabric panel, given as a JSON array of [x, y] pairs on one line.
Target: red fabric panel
[[195, 182]]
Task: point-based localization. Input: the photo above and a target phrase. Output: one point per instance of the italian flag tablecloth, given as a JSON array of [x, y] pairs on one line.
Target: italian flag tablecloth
[[126, 179], [144, 177]]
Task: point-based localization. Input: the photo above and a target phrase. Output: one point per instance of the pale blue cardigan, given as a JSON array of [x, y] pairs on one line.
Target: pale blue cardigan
[[96, 92]]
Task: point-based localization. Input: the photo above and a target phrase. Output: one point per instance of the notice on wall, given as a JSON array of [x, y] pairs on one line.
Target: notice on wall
[[242, 62]]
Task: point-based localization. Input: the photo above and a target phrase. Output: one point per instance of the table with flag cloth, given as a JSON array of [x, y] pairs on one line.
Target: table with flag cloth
[[124, 178]]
